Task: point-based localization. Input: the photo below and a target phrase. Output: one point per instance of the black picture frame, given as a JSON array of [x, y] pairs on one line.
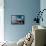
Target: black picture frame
[[17, 19]]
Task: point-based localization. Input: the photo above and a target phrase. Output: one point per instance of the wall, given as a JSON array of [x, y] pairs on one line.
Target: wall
[[1, 20], [43, 6], [16, 7]]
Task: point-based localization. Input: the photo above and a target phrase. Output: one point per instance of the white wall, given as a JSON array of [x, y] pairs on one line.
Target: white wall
[[43, 6], [1, 20]]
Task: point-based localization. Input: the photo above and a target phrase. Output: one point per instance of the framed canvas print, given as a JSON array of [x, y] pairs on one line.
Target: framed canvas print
[[17, 19]]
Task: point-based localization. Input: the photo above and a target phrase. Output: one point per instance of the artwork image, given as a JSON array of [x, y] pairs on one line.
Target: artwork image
[[17, 19]]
